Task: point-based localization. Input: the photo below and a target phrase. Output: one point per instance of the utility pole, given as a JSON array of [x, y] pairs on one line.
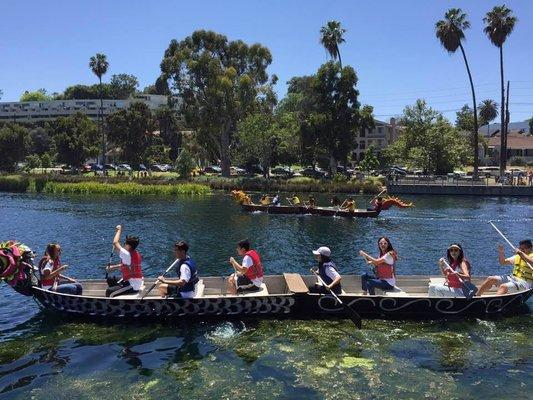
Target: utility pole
[[506, 123]]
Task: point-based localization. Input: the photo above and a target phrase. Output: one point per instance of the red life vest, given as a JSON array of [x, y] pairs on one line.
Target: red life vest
[[42, 263], [256, 270], [453, 279], [134, 270], [384, 270]]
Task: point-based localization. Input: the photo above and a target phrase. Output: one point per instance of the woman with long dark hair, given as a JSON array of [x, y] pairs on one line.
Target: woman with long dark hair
[[457, 270], [384, 267], [50, 269]]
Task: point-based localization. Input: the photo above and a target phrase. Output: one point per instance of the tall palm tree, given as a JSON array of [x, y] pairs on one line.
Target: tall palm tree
[[488, 111], [331, 36], [450, 32], [499, 23], [99, 66]]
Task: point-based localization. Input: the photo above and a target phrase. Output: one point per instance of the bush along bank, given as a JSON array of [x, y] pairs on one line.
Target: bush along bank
[[21, 184], [298, 184]]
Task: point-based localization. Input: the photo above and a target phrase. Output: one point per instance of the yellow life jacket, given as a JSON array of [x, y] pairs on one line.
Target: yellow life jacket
[[295, 200], [521, 269]]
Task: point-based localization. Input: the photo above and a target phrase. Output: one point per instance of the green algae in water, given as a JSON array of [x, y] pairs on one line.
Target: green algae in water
[[351, 362]]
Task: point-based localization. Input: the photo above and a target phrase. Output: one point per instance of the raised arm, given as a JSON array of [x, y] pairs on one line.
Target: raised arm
[[116, 238], [501, 257]]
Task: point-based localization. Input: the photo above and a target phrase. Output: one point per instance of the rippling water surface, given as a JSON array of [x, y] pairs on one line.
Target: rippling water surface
[[42, 356]]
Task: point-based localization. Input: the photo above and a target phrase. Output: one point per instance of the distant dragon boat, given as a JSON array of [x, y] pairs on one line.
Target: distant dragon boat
[[325, 211]]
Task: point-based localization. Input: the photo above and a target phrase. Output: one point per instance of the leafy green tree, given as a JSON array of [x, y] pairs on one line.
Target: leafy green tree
[[337, 111], [156, 153], [464, 119], [185, 164], [256, 140], [38, 95], [499, 23], [46, 160], [428, 141], [75, 139], [123, 86], [130, 129], [41, 141], [219, 82], [170, 126], [32, 161], [99, 66], [84, 92], [531, 126], [450, 32], [331, 36], [15, 143], [370, 160]]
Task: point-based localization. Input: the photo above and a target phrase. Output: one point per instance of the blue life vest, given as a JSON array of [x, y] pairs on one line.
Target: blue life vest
[[327, 280], [189, 286]]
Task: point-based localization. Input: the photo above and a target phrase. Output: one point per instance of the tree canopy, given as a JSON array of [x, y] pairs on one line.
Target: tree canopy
[[219, 83], [38, 95], [15, 143]]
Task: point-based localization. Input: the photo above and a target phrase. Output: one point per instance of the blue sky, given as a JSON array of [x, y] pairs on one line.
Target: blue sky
[[391, 44]]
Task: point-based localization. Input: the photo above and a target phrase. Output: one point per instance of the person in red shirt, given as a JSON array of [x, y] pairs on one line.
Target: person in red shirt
[[130, 266], [50, 269], [457, 272], [248, 275]]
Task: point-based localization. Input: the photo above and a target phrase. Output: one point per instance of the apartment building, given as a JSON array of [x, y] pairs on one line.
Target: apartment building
[[35, 111], [380, 137]]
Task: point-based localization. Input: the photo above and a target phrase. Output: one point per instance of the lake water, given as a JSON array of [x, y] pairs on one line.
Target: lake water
[[42, 356]]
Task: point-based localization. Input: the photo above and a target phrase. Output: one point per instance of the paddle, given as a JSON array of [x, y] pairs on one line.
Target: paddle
[[109, 262], [352, 314], [377, 195], [157, 280], [469, 289], [508, 242]]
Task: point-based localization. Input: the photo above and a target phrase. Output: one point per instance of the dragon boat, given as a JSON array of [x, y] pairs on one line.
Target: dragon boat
[[324, 211], [280, 296]]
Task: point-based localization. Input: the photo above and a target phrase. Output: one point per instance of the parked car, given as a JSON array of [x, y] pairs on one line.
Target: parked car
[[212, 169], [488, 172], [124, 167], [96, 167], [313, 172], [108, 167], [345, 171], [86, 168], [157, 168], [254, 169], [166, 167], [237, 171], [282, 171], [142, 167], [69, 170]]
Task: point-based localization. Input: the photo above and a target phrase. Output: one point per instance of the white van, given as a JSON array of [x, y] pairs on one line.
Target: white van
[[489, 171]]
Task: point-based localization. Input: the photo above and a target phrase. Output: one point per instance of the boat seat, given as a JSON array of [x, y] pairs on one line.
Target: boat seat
[[436, 281], [137, 295], [262, 292], [295, 283], [396, 292], [199, 288]]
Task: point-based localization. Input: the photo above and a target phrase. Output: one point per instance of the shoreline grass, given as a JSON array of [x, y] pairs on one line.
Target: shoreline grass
[[163, 185]]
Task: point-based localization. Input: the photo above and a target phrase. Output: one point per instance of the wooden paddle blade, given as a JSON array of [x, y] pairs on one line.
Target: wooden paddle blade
[[356, 319]]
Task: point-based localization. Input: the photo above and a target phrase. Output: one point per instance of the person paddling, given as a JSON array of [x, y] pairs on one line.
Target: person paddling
[[50, 269], [457, 272], [248, 275], [188, 275], [349, 205], [294, 200], [327, 270], [522, 275], [385, 265], [130, 266]]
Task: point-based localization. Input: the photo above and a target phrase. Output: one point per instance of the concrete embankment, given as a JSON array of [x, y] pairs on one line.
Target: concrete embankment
[[467, 190]]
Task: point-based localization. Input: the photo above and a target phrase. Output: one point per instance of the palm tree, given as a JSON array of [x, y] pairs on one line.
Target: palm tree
[[488, 111], [99, 65], [499, 23], [450, 32], [330, 37]]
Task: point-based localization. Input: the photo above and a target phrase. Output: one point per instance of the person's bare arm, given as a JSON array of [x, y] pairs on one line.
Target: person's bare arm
[[238, 267], [501, 257], [116, 238], [335, 282]]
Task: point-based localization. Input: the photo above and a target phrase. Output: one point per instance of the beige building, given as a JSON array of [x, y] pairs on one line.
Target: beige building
[[380, 137], [518, 145], [35, 111]]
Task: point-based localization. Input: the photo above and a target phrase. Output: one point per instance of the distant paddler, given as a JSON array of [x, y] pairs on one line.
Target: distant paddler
[[311, 202], [276, 201], [265, 200], [349, 205], [294, 200]]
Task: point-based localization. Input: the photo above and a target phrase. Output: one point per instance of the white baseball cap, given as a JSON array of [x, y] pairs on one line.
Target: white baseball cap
[[322, 251]]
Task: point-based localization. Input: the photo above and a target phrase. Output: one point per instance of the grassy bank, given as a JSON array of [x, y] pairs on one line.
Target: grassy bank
[[298, 184], [21, 184], [169, 185]]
